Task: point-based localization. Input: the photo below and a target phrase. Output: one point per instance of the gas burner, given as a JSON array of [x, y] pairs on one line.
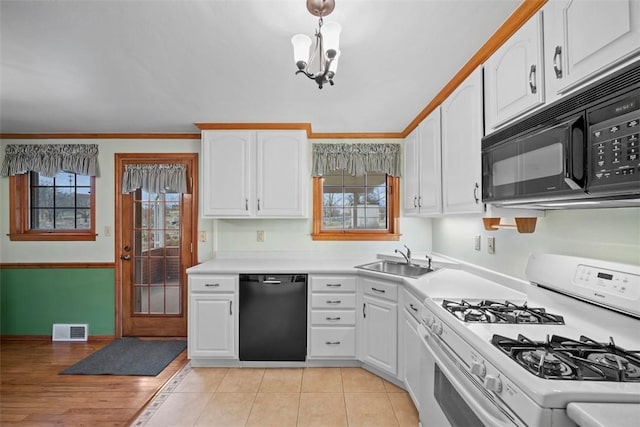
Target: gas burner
[[488, 311], [545, 363], [566, 359]]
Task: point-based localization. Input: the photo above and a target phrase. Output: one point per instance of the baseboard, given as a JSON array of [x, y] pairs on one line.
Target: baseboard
[[48, 338]]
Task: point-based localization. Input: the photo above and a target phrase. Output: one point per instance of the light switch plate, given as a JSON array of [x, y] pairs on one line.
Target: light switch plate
[[491, 245], [477, 241], [203, 236], [260, 236]]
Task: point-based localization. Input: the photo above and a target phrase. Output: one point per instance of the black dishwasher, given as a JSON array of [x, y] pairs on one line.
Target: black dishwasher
[[273, 317]]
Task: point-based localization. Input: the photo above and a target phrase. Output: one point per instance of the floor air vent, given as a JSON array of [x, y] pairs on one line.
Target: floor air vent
[[67, 332]]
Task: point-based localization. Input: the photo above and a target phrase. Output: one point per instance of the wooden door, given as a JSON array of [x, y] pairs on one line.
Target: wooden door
[[155, 244]]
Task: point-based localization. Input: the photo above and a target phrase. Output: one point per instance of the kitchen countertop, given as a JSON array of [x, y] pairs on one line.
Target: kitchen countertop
[[435, 284], [604, 414]]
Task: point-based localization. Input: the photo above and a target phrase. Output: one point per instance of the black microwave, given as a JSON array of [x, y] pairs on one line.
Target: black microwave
[[582, 151]]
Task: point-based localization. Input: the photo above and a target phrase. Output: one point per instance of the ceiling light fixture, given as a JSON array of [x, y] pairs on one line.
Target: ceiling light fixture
[[327, 45]]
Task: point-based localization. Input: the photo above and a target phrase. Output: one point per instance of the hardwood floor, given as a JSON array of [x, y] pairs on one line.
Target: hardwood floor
[[32, 393]]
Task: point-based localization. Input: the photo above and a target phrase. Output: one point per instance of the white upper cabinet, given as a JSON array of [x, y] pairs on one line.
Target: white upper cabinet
[[584, 38], [250, 174], [422, 195], [282, 178], [514, 75], [461, 143]]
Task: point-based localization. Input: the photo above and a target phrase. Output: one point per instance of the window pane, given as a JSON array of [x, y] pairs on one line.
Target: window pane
[[42, 197], [65, 197], [83, 219], [333, 199], [172, 215], [64, 178], [332, 218], [376, 179], [83, 197], [172, 238], [65, 219], [42, 219], [83, 180], [38, 179]]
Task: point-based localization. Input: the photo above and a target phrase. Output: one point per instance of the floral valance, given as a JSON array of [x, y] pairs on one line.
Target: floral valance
[[356, 159], [155, 178], [50, 159]]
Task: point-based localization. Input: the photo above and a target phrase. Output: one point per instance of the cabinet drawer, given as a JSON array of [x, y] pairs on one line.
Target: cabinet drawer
[[412, 304], [381, 289], [329, 317], [333, 301], [331, 342], [204, 283], [333, 283]]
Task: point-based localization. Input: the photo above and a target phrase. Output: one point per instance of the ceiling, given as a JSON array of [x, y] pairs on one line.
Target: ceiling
[[152, 66]]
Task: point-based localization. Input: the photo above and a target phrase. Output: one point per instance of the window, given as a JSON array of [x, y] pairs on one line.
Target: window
[[58, 208], [355, 207]]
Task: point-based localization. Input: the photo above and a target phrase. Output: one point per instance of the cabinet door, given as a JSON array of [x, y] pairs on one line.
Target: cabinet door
[[513, 75], [227, 173], [411, 357], [584, 38], [461, 142], [282, 177], [430, 199], [411, 176], [212, 326], [379, 334]]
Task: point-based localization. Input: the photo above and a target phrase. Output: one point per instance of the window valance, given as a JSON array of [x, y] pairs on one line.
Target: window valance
[[50, 159], [356, 159], [155, 178]]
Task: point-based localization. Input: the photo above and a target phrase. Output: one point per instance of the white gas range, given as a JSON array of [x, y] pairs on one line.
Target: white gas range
[[493, 356]]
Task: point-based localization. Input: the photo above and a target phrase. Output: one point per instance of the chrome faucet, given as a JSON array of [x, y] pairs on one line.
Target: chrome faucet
[[429, 258], [407, 257]]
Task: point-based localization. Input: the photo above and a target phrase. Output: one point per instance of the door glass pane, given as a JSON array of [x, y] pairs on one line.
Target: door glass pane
[[158, 282]]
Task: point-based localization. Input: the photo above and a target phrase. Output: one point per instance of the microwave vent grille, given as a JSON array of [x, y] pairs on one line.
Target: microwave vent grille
[[624, 80]]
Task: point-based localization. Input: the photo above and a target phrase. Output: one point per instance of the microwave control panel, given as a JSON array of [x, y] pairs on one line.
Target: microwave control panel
[[615, 150]]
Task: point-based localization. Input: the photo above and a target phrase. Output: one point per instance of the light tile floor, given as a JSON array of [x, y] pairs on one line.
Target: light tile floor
[[324, 397]]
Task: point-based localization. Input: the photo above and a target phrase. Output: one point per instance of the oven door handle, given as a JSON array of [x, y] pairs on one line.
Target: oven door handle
[[477, 406], [575, 153]]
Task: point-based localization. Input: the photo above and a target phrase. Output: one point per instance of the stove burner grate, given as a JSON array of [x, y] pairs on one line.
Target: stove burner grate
[[488, 311], [566, 359]]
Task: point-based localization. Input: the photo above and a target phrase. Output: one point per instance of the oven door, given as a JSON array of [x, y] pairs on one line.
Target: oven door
[[546, 164], [449, 397]]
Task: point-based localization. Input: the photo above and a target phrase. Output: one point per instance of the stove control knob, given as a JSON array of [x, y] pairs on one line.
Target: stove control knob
[[493, 383], [478, 368], [436, 328]]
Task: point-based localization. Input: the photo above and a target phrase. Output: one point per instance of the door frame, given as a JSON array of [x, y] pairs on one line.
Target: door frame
[[120, 159]]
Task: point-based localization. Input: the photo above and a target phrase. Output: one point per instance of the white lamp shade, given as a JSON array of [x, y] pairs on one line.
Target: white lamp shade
[[331, 35], [301, 44], [334, 64]]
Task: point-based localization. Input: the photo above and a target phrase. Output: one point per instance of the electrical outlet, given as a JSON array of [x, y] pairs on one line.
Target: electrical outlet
[[260, 236], [203, 236], [491, 245], [477, 242]]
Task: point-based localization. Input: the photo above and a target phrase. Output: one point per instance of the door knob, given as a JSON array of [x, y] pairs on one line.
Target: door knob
[[125, 257]]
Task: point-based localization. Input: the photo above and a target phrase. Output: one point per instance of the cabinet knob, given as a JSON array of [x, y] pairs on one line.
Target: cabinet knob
[[493, 383], [478, 369]]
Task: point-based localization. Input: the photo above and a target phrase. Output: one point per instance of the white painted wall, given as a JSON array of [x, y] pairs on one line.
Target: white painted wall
[[229, 235], [102, 249], [608, 234]]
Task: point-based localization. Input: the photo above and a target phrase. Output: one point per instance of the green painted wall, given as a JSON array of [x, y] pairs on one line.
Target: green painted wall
[[32, 300]]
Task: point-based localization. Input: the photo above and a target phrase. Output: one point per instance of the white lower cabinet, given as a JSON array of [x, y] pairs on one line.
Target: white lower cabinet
[[378, 327], [212, 317], [410, 349], [332, 325]]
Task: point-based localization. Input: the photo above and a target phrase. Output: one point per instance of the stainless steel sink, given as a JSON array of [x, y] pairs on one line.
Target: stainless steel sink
[[396, 268]]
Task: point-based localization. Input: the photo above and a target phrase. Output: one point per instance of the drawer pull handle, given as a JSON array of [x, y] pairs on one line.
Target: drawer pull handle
[[332, 319], [413, 308], [212, 285], [334, 302], [334, 285], [380, 291], [332, 343]]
